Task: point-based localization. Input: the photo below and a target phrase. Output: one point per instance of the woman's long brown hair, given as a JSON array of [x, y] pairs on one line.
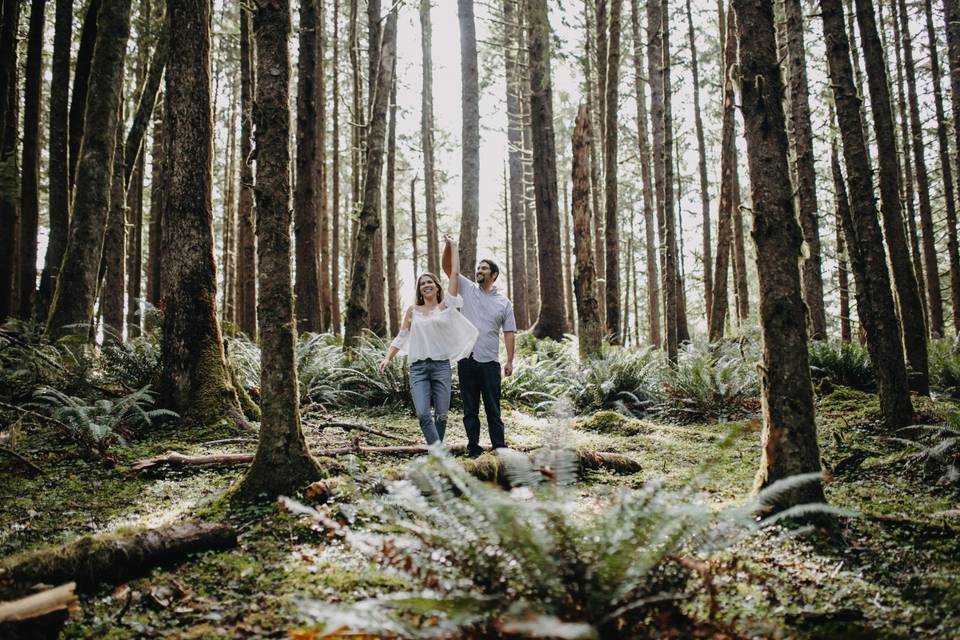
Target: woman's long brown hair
[[436, 281]]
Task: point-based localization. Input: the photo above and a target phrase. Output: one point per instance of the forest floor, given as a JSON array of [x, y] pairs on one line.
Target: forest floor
[[892, 572]]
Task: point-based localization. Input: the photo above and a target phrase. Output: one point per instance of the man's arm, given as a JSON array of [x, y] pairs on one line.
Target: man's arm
[[446, 261], [509, 339]]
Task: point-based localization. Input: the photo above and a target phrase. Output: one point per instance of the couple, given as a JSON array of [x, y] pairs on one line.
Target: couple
[[435, 333]]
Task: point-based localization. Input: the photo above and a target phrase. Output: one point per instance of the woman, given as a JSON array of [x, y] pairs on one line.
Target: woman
[[434, 334]]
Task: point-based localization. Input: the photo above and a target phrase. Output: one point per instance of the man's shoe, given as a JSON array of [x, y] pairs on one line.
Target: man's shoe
[[474, 453]]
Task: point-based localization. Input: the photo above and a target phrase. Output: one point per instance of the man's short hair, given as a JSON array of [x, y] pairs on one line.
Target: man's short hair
[[494, 267]]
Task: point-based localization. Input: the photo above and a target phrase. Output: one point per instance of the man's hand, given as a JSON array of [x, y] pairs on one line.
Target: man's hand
[[508, 369]]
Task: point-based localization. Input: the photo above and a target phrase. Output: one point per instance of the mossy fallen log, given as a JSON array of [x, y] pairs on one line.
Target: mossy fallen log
[[95, 560], [38, 616], [489, 467]]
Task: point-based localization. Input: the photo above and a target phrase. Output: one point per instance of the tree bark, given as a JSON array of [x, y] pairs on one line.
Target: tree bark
[[376, 307], [946, 171], [426, 141], [281, 444], [335, 320], [908, 295], [470, 156], [704, 184], [517, 232], [194, 380], [145, 106], [650, 246], [789, 436], [323, 209], [804, 167], [531, 237], [928, 240], [30, 163], [73, 300], [672, 290], [246, 236], [567, 259], [8, 159], [842, 212], [157, 205], [369, 224], [728, 151], [551, 322], [739, 249], [951, 15], [594, 98], [114, 259], [228, 311], [589, 330], [307, 288], [907, 190], [393, 287], [59, 187], [81, 84], [611, 215], [864, 241]]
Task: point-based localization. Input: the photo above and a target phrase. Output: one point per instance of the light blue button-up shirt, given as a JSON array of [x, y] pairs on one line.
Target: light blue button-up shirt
[[489, 312]]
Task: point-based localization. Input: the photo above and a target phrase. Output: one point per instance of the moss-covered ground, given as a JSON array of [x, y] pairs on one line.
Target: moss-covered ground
[[893, 572]]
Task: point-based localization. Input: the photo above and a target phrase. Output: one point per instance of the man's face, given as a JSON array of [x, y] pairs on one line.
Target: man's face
[[484, 274]]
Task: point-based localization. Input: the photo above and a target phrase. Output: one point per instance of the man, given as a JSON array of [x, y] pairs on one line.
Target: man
[[489, 311]]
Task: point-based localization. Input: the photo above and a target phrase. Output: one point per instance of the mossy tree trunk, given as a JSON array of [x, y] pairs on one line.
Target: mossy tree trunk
[[281, 445], [72, 308], [307, 301], [789, 431], [246, 236], [59, 186], [611, 232], [552, 321], [588, 316], [864, 240], [908, 295], [369, 224], [194, 380]]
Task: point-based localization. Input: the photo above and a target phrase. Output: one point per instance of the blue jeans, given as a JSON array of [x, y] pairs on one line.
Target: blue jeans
[[430, 385]]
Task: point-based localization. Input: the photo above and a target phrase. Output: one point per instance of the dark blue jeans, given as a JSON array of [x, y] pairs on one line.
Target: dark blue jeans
[[481, 380], [430, 383]]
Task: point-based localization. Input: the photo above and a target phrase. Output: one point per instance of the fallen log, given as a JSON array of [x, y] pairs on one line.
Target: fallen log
[[177, 459], [353, 426], [492, 469], [95, 560], [41, 615]]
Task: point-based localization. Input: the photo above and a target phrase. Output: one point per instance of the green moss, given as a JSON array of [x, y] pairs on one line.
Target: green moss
[[847, 400], [214, 396], [608, 422]]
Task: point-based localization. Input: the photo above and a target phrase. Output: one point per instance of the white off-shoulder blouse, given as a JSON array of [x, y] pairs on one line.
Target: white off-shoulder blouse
[[441, 334]]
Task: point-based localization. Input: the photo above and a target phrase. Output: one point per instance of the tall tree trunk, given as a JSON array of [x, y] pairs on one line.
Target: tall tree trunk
[[145, 104], [551, 322], [135, 250], [907, 190], [470, 107], [864, 241], [702, 154], [683, 330], [908, 295], [230, 215], [934, 297], [946, 171], [30, 164], [413, 224], [393, 287], [739, 249], [194, 380], [376, 307], [281, 444], [323, 209], [951, 15], [655, 75], [653, 277], [803, 165], [59, 187], [246, 234], [531, 236], [728, 151], [369, 224], [596, 38], [842, 212], [335, 315], [611, 127], [589, 331], [158, 192], [857, 72], [76, 290], [8, 160], [668, 228], [789, 439], [567, 259], [114, 259], [307, 286], [356, 122], [517, 232], [426, 141], [81, 84]]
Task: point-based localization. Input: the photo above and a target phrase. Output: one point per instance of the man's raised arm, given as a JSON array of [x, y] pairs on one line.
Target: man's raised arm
[[446, 261]]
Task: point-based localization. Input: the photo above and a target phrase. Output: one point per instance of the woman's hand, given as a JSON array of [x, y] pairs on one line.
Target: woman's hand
[[383, 365]]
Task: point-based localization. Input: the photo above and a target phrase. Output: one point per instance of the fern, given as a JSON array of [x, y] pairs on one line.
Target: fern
[[842, 363], [709, 383]]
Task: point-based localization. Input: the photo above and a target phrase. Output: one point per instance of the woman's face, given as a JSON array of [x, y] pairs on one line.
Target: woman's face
[[427, 287]]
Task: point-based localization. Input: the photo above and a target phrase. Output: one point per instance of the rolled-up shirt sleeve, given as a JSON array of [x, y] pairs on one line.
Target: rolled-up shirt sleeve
[[401, 341], [509, 320]]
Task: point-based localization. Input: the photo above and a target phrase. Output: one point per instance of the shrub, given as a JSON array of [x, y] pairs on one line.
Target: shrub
[[624, 380], [845, 364], [359, 380], [484, 562], [105, 423], [936, 448], [319, 356], [944, 363], [709, 383], [131, 364]]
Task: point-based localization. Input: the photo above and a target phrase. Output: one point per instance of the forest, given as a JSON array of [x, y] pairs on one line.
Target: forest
[[701, 258]]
